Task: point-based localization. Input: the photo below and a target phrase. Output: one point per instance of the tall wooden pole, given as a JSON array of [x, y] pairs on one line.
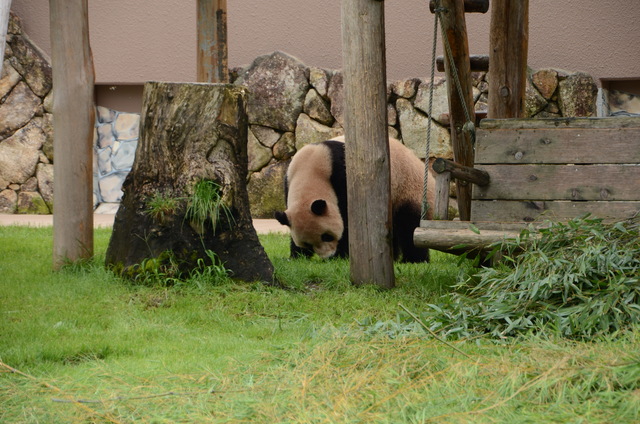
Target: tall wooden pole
[[212, 41], [5, 8], [367, 147], [509, 41], [73, 123], [455, 28]]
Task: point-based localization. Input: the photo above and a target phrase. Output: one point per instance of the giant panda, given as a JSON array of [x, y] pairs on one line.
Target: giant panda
[[316, 200]]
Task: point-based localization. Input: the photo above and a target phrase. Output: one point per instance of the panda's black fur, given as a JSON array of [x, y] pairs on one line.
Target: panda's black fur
[[406, 214]]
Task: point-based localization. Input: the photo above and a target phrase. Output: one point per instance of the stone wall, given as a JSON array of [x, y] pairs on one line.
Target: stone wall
[[290, 105]]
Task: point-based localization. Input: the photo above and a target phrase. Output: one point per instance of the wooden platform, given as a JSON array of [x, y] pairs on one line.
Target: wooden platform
[[546, 169]]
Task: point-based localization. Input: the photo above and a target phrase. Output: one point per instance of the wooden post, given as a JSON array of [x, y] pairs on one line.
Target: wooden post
[[5, 9], [73, 123], [454, 25], [212, 41], [509, 40], [367, 147]]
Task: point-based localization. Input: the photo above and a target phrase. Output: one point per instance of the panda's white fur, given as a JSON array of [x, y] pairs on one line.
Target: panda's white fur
[[315, 190]]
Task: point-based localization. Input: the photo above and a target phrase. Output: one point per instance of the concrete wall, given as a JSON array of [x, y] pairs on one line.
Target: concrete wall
[[136, 41]]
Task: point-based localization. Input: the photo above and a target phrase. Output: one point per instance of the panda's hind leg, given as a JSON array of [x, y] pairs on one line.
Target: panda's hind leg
[[405, 220]]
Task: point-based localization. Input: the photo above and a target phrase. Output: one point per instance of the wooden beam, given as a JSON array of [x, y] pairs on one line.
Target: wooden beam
[[470, 6], [509, 40], [5, 9], [478, 62], [454, 25], [367, 148], [460, 172], [73, 123], [441, 202], [212, 59]]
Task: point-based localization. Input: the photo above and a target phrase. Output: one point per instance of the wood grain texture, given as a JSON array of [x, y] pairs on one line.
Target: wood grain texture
[[212, 59], [560, 182], [470, 6], [509, 40], [558, 145], [366, 148], [531, 211], [454, 25], [73, 122]]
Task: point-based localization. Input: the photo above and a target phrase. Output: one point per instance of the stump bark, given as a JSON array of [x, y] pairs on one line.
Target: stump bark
[[189, 133]]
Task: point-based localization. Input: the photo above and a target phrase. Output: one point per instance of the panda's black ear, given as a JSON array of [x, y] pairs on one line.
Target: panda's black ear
[[282, 218], [319, 207]]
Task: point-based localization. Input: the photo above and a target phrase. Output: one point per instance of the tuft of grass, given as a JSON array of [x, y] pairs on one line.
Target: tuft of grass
[[161, 207], [578, 279], [206, 203]]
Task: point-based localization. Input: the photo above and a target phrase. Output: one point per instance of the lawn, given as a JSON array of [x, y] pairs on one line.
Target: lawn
[[82, 345]]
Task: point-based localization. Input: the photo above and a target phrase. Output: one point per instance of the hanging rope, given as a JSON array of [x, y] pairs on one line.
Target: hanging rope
[[469, 126], [425, 205]]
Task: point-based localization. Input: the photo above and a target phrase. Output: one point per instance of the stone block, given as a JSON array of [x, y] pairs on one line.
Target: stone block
[[310, 131], [18, 109], [31, 202], [317, 109], [278, 84], [577, 95], [546, 81], [127, 126], [413, 126], [123, 158], [111, 187], [19, 154], [440, 98], [266, 190], [44, 175], [10, 78], [8, 201]]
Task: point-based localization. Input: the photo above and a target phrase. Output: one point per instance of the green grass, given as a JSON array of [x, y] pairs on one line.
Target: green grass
[[82, 345]]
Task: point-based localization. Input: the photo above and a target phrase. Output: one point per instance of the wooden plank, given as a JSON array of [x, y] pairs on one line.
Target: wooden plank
[[560, 182], [441, 203], [367, 149], [455, 28], [558, 145], [478, 63], [73, 123], [212, 59], [509, 40], [501, 210], [470, 6], [608, 122]]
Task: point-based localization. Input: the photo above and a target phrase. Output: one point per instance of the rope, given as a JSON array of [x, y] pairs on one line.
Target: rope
[[425, 205]]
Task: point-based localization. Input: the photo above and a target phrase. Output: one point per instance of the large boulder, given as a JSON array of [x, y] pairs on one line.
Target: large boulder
[[577, 95], [19, 154], [278, 84], [413, 125]]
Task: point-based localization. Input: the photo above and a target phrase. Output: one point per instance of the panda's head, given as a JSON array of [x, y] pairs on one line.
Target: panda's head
[[315, 225]]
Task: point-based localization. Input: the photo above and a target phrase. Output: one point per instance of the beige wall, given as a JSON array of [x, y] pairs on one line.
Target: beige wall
[[136, 41]]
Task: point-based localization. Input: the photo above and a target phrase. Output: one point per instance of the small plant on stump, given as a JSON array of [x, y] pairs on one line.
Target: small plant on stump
[[161, 206], [206, 203]]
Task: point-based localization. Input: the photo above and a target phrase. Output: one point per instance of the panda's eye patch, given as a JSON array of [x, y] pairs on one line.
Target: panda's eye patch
[[327, 237]]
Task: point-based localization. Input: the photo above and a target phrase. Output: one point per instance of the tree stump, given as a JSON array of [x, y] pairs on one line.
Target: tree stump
[[190, 135]]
